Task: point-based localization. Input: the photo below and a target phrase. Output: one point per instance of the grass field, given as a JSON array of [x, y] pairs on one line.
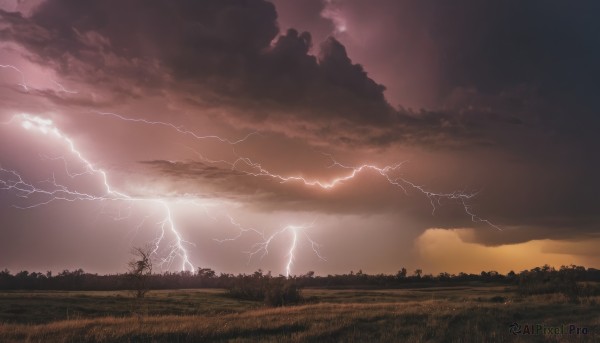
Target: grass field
[[457, 314]]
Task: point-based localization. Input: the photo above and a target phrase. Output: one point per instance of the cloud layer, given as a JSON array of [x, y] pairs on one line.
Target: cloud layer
[[494, 98]]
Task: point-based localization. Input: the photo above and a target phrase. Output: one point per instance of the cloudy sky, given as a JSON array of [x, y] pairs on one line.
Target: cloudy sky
[[324, 135]]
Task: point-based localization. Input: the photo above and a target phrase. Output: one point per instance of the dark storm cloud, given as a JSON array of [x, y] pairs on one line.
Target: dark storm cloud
[[228, 53], [550, 48], [223, 45], [220, 53], [522, 217], [368, 194], [496, 45], [518, 77], [304, 16], [569, 230], [427, 52], [527, 204], [512, 77], [192, 169]]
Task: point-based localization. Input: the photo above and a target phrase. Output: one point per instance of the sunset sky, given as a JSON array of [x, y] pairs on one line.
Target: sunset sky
[[230, 134]]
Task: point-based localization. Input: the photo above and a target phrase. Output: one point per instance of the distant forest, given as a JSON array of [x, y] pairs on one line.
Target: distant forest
[[537, 280]]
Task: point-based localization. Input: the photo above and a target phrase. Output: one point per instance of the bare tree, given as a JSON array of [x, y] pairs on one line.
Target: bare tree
[[140, 268]]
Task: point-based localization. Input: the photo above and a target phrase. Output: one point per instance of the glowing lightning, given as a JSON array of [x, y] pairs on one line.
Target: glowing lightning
[[263, 246], [62, 88], [22, 84], [256, 169], [386, 171], [291, 252], [249, 167], [178, 250], [12, 180], [179, 129]]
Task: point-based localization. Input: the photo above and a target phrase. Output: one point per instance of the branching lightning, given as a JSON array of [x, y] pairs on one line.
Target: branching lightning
[[23, 83], [435, 198], [179, 129], [177, 247], [262, 247], [62, 88], [11, 180], [27, 87], [50, 190]]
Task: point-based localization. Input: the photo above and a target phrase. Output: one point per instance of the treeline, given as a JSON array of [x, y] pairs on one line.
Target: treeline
[[538, 280]]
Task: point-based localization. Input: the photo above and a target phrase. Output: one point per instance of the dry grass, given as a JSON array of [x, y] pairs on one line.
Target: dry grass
[[448, 318], [39, 307]]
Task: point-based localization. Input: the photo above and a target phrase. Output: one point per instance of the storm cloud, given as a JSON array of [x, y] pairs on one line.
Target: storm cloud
[[231, 53], [493, 98]]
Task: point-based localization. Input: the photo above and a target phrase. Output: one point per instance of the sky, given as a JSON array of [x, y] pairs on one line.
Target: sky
[[296, 136]]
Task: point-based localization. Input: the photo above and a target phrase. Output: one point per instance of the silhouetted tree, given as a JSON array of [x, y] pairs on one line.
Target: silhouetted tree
[[573, 281], [140, 269], [206, 273], [401, 273]]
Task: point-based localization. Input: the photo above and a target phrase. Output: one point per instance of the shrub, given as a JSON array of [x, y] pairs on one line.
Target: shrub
[[277, 291], [281, 292]]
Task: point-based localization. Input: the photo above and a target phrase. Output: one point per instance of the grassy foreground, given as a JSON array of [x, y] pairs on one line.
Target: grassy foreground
[[467, 314]]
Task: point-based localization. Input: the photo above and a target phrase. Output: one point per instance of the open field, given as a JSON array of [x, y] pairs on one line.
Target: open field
[[457, 314]]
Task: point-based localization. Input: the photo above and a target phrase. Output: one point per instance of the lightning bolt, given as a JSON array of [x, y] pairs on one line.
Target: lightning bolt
[[26, 87], [177, 128], [11, 180], [62, 88], [23, 83], [177, 249], [292, 251], [262, 247], [435, 198]]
